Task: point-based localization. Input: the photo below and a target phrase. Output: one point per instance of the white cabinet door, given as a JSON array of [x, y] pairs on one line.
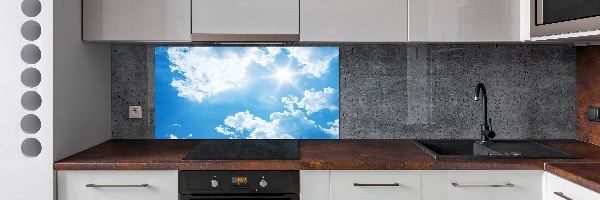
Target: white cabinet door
[[468, 20], [245, 16], [354, 20], [482, 184], [117, 185], [561, 189], [136, 20], [375, 185], [314, 184]]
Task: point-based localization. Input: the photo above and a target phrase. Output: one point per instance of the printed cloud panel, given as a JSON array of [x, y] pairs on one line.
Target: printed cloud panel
[[247, 92]]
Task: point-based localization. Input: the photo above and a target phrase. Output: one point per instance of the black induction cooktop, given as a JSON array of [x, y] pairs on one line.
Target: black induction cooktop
[[250, 149]]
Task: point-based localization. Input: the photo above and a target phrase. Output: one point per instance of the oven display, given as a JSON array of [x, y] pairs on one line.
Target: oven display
[[239, 180]]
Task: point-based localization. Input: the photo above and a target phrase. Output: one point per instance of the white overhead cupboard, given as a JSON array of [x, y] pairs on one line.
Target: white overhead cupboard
[[245, 20], [136, 20], [307, 20], [354, 20], [468, 20]]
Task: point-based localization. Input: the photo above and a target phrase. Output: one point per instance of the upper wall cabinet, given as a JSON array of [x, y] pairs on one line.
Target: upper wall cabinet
[[245, 20], [354, 20], [136, 20], [468, 20]]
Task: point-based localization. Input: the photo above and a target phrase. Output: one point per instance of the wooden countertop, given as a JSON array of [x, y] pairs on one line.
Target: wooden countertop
[[314, 155], [581, 173]]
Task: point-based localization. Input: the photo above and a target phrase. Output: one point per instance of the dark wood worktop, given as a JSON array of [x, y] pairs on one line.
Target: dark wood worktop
[[581, 173], [314, 155]]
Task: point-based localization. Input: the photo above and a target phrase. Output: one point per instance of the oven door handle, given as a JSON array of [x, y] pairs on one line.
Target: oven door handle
[[250, 197], [191, 197]]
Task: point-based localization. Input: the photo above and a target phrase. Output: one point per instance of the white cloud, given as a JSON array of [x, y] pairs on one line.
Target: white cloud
[[244, 121], [282, 125], [206, 72], [178, 125], [224, 130], [289, 102], [314, 62], [175, 137], [334, 129], [313, 102]]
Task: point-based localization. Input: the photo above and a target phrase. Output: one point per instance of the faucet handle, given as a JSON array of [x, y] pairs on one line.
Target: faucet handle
[[491, 134], [491, 124]]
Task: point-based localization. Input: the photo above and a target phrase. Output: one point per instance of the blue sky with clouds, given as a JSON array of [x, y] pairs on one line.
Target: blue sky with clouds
[[247, 92]]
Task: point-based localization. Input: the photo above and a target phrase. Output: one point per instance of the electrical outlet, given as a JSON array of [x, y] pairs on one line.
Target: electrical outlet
[[135, 112]]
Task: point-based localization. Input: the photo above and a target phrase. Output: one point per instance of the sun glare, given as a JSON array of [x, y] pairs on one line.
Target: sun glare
[[284, 75]]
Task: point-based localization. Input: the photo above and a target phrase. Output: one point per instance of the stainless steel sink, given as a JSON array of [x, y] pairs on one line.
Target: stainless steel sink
[[493, 149]]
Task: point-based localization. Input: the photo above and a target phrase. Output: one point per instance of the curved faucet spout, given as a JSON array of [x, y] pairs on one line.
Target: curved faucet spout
[[481, 87], [486, 133]]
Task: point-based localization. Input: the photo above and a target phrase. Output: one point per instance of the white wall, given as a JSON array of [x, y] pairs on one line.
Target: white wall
[[24, 177], [82, 84], [75, 93]]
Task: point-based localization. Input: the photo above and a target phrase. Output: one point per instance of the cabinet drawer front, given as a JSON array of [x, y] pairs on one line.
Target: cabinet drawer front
[[482, 184], [314, 184], [380, 185], [555, 184], [117, 185]]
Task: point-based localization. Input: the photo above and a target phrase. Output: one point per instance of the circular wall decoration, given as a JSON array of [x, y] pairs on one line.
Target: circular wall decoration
[[31, 30], [31, 54], [31, 147], [31, 77], [31, 8], [31, 100], [30, 124]]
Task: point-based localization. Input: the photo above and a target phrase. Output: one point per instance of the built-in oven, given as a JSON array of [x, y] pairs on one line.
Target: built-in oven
[[554, 17], [234, 185]]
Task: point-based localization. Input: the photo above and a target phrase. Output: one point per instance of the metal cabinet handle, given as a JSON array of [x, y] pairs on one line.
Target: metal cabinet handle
[[94, 185], [361, 184], [560, 194], [505, 185]]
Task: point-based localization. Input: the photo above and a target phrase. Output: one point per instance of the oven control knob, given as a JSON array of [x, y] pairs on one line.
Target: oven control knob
[[263, 183], [214, 183]]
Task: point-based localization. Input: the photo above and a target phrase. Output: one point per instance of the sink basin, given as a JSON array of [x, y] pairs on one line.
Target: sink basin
[[495, 149]]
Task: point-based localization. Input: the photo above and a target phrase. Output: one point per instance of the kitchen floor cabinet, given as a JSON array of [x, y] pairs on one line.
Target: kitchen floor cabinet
[[379, 184], [314, 184], [341, 185], [354, 20], [117, 185], [421, 185], [561, 189], [482, 184]]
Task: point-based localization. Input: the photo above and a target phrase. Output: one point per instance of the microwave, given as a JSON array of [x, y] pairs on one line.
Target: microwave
[[564, 17]]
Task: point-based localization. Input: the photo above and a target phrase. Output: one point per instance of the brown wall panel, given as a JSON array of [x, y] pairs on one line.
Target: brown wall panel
[[588, 92]]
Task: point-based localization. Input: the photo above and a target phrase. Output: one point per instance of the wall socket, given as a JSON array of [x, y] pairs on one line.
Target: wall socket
[[135, 112]]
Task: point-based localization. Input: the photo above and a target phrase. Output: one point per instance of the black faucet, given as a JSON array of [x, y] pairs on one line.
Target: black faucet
[[486, 129]]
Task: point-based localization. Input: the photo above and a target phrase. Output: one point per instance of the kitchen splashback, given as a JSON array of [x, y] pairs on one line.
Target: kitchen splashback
[[407, 90], [246, 93]]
